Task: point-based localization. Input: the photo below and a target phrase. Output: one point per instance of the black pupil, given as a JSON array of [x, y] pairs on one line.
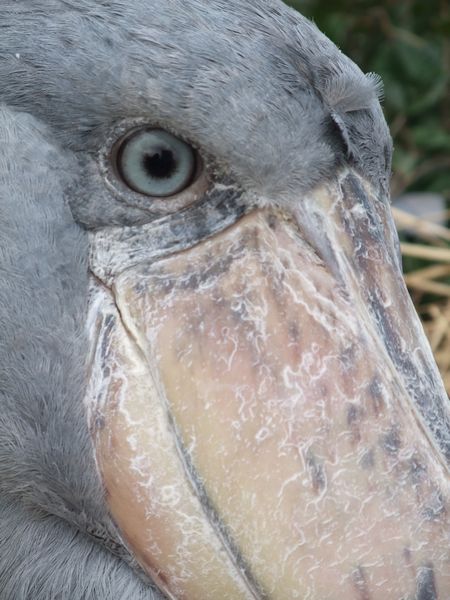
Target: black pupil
[[160, 164]]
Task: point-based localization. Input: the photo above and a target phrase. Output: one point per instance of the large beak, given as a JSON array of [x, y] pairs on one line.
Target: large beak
[[267, 416]]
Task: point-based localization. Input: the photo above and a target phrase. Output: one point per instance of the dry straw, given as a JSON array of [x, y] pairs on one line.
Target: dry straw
[[430, 281]]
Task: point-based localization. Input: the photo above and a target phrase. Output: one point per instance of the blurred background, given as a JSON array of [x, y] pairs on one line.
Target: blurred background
[[408, 44]]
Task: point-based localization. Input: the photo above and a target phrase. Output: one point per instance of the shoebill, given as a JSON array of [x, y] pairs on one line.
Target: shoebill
[[213, 383]]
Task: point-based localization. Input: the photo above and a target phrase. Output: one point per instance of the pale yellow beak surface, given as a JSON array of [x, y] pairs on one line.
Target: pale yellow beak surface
[[255, 427]]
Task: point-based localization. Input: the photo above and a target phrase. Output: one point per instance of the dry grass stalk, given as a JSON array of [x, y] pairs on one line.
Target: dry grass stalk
[[421, 227], [427, 252], [433, 279], [436, 321]]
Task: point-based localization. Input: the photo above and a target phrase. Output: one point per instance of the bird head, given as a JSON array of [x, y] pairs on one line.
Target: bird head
[[214, 377]]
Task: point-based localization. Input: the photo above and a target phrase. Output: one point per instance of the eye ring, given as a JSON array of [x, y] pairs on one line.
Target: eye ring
[[155, 163]]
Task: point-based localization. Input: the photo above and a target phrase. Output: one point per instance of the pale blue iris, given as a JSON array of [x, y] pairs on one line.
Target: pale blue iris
[[156, 163]]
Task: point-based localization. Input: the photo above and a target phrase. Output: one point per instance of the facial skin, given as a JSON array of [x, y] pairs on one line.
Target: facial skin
[[224, 392]]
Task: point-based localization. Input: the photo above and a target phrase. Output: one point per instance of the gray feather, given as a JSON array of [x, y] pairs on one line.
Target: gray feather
[[228, 75], [43, 558], [53, 520]]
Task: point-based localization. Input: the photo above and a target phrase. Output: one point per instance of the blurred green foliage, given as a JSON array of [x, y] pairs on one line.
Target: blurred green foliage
[[408, 44]]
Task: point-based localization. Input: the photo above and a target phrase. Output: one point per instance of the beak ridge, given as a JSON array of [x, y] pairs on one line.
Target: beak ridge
[[265, 405]]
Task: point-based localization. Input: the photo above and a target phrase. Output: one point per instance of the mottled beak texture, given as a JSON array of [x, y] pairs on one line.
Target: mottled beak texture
[[267, 417]]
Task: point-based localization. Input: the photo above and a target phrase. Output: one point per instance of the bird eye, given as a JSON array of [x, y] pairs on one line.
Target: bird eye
[[156, 163]]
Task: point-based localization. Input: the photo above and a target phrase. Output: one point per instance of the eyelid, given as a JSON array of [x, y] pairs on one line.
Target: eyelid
[[134, 143], [155, 206]]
